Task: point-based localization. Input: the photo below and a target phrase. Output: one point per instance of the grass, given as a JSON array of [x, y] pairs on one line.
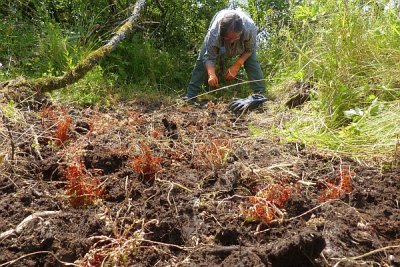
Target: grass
[[92, 90], [372, 136], [350, 52]]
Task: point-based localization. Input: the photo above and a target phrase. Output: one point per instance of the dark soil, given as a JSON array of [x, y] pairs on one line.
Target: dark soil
[[190, 209]]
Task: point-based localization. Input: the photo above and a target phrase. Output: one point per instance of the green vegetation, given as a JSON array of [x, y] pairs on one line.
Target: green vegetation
[[348, 51]]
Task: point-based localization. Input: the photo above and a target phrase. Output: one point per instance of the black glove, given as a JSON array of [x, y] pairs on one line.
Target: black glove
[[249, 103]]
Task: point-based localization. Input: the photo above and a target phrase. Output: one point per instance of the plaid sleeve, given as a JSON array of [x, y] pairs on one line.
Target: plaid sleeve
[[212, 44], [250, 36]]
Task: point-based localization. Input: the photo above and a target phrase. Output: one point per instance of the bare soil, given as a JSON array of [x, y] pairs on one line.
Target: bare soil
[[190, 207]]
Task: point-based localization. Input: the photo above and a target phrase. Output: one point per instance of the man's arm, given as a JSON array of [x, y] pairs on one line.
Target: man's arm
[[211, 43], [234, 69], [243, 57]]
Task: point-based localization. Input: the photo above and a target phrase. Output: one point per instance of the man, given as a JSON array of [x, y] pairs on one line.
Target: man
[[232, 33]]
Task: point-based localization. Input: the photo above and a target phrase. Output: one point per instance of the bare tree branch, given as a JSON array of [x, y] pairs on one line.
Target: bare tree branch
[[9, 89]]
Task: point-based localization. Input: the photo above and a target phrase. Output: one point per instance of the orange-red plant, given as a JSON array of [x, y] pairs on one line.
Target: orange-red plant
[[146, 164], [337, 191], [82, 189], [62, 131], [47, 112], [267, 204], [135, 118], [156, 133], [213, 154]]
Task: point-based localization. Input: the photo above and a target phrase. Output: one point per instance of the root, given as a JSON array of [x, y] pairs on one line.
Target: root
[[20, 227], [38, 252], [311, 210], [178, 185], [352, 259]]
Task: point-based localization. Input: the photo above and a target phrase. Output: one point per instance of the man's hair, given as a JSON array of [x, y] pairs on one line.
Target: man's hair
[[231, 22]]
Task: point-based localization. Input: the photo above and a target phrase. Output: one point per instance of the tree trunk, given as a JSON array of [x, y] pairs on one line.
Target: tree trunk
[[20, 88]]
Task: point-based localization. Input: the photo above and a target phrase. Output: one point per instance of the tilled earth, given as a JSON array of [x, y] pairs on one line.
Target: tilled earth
[[184, 186]]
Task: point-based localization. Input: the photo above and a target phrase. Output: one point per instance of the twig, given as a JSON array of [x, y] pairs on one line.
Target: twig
[[178, 185], [231, 197], [306, 183], [240, 115], [280, 165], [258, 232], [364, 255], [38, 252], [226, 249], [20, 227], [8, 185], [166, 244], [169, 194]]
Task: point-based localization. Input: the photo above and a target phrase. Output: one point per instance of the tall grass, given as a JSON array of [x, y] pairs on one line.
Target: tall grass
[[138, 65], [53, 50], [350, 52], [353, 55], [17, 41], [36, 48], [372, 135]]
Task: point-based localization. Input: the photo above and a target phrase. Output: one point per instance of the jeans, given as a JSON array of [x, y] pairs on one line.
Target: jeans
[[199, 74]]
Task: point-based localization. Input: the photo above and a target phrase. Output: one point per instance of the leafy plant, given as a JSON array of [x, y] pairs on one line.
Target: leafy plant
[[10, 110], [53, 48], [334, 191], [266, 205], [63, 129], [82, 188], [146, 165], [213, 154]]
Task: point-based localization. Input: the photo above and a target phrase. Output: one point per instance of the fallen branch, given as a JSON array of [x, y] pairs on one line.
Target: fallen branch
[[48, 84], [20, 227]]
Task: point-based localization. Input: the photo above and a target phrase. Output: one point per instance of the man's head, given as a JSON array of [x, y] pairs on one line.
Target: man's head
[[231, 27]]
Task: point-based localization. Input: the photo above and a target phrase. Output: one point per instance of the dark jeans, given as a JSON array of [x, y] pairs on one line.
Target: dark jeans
[[199, 74]]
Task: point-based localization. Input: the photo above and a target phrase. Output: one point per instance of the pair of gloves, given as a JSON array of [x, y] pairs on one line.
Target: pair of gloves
[[246, 104], [237, 105]]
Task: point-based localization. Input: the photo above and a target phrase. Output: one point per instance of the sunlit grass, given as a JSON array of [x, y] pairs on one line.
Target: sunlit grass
[[350, 52], [373, 136]]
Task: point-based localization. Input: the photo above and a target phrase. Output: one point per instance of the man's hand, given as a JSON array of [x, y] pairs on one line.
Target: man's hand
[[212, 77], [233, 70], [213, 80]]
